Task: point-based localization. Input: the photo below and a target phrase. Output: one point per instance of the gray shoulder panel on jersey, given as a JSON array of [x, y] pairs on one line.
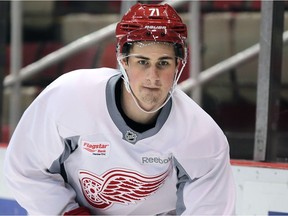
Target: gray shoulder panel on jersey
[[71, 144], [182, 179], [128, 134]]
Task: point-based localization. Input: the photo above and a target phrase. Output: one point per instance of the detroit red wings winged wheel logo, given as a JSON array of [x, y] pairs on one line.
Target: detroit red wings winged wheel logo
[[118, 186]]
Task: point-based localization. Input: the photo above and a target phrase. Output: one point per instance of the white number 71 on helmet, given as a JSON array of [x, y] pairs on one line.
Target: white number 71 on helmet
[[154, 12]]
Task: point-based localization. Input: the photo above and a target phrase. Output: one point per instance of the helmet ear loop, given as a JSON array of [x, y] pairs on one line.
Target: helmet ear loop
[[124, 74], [178, 74], [181, 61]]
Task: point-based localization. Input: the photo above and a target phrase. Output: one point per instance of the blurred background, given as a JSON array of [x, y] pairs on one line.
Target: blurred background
[[225, 28]]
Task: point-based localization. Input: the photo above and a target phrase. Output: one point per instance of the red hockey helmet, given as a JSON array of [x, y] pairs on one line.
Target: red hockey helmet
[[151, 22]]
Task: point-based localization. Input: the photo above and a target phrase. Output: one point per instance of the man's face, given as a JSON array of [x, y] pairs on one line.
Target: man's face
[[151, 69]]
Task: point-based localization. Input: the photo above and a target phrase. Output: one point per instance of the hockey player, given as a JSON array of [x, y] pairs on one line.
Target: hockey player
[[123, 142]]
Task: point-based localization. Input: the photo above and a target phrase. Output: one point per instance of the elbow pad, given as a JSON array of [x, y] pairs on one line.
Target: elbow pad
[[78, 211]]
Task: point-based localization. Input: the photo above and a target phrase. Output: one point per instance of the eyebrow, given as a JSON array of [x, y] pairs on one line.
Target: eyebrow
[[147, 58]]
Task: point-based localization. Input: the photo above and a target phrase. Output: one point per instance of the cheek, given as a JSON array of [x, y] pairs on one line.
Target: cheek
[[168, 79], [134, 79], [131, 75]]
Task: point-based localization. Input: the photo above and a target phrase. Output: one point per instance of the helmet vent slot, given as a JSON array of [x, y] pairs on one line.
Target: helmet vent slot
[[156, 17], [129, 27]]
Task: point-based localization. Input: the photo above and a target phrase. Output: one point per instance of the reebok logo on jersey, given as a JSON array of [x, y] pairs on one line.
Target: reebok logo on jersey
[[156, 160], [97, 149]]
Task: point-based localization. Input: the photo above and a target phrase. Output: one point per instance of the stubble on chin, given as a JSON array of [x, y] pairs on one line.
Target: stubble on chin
[[150, 98]]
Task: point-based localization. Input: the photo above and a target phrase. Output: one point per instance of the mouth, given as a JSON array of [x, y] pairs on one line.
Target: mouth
[[151, 88]]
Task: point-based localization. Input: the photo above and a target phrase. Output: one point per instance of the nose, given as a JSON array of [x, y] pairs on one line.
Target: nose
[[153, 73]]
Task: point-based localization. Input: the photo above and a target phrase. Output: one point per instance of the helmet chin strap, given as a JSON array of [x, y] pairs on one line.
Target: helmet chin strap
[[129, 90]]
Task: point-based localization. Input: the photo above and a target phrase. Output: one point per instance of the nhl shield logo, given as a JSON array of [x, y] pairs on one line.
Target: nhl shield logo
[[131, 136]]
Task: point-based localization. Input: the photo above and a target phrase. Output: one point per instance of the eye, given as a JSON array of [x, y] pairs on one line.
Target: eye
[[143, 62], [163, 63]]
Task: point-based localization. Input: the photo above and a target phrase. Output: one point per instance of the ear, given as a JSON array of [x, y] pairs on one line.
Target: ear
[[177, 62], [124, 62]]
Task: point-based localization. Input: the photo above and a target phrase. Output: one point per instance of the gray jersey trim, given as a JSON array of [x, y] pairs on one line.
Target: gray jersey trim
[[182, 179], [71, 144], [129, 134]]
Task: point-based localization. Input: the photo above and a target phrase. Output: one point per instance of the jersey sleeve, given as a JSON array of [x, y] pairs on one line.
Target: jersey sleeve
[[34, 146], [205, 183]]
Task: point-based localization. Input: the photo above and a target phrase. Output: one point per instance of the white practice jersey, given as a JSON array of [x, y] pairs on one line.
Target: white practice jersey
[[72, 148]]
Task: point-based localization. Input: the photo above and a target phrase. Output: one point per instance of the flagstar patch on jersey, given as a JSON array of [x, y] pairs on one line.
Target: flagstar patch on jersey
[[97, 149]]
